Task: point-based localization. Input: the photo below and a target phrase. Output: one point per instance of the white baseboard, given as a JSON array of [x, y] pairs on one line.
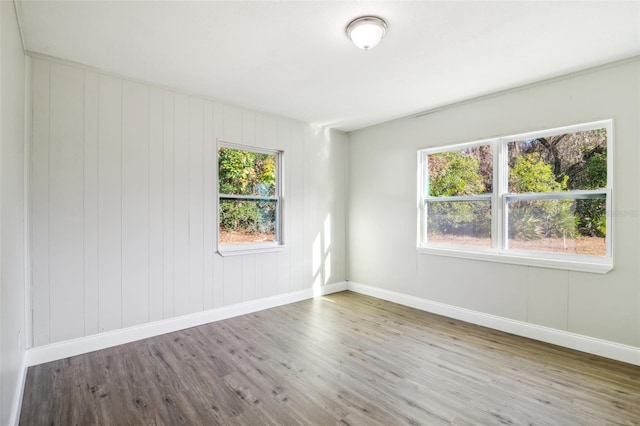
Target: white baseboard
[[19, 392], [83, 345], [617, 351], [96, 342]]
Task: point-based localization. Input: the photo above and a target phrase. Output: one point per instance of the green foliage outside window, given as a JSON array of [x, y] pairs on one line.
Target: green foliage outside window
[[531, 174], [591, 214], [247, 173], [538, 219], [560, 163], [455, 173]]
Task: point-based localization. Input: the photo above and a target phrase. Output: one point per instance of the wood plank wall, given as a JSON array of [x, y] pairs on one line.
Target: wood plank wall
[[123, 204]]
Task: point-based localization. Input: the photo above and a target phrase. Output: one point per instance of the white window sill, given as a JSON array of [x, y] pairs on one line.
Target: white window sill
[[242, 249], [580, 264]]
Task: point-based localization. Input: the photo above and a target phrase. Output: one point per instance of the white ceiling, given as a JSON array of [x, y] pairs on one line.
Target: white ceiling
[[294, 59]]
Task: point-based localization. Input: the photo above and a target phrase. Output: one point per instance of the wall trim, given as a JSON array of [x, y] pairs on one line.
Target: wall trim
[[17, 5], [82, 345], [19, 392], [592, 345]]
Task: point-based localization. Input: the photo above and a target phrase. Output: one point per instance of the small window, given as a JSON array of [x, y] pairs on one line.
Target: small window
[[249, 198], [542, 199]]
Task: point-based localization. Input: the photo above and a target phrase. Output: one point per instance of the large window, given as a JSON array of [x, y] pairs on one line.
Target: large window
[[541, 198], [249, 198]]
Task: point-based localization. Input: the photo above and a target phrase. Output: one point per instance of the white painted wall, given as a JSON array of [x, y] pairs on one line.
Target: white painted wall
[[382, 209], [12, 213], [123, 204]]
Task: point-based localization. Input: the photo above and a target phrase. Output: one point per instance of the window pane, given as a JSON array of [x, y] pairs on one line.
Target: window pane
[[246, 173], [468, 171], [247, 221], [564, 162], [558, 226], [466, 223]]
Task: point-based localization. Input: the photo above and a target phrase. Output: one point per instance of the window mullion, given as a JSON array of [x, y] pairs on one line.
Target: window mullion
[[500, 187], [280, 185], [460, 198], [423, 182], [247, 197], [568, 195]]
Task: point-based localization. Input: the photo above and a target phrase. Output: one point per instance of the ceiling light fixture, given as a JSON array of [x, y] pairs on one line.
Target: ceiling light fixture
[[366, 31]]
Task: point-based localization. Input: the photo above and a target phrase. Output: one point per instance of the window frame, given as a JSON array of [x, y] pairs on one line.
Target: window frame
[[499, 250], [260, 247]]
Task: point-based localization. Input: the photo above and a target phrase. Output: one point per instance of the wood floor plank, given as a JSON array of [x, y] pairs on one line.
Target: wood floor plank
[[343, 359]]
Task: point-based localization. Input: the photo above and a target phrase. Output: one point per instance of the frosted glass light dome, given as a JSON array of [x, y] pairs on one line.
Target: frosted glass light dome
[[367, 31]]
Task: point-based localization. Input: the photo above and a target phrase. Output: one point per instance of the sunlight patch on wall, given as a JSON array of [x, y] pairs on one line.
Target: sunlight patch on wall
[[316, 258], [321, 257], [327, 233]]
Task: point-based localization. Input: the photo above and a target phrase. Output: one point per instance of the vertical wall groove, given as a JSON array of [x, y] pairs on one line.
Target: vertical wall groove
[[84, 141], [149, 203], [121, 206], [48, 183]]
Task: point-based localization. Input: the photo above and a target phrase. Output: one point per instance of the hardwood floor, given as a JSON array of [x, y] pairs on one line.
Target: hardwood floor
[[341, 359]]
